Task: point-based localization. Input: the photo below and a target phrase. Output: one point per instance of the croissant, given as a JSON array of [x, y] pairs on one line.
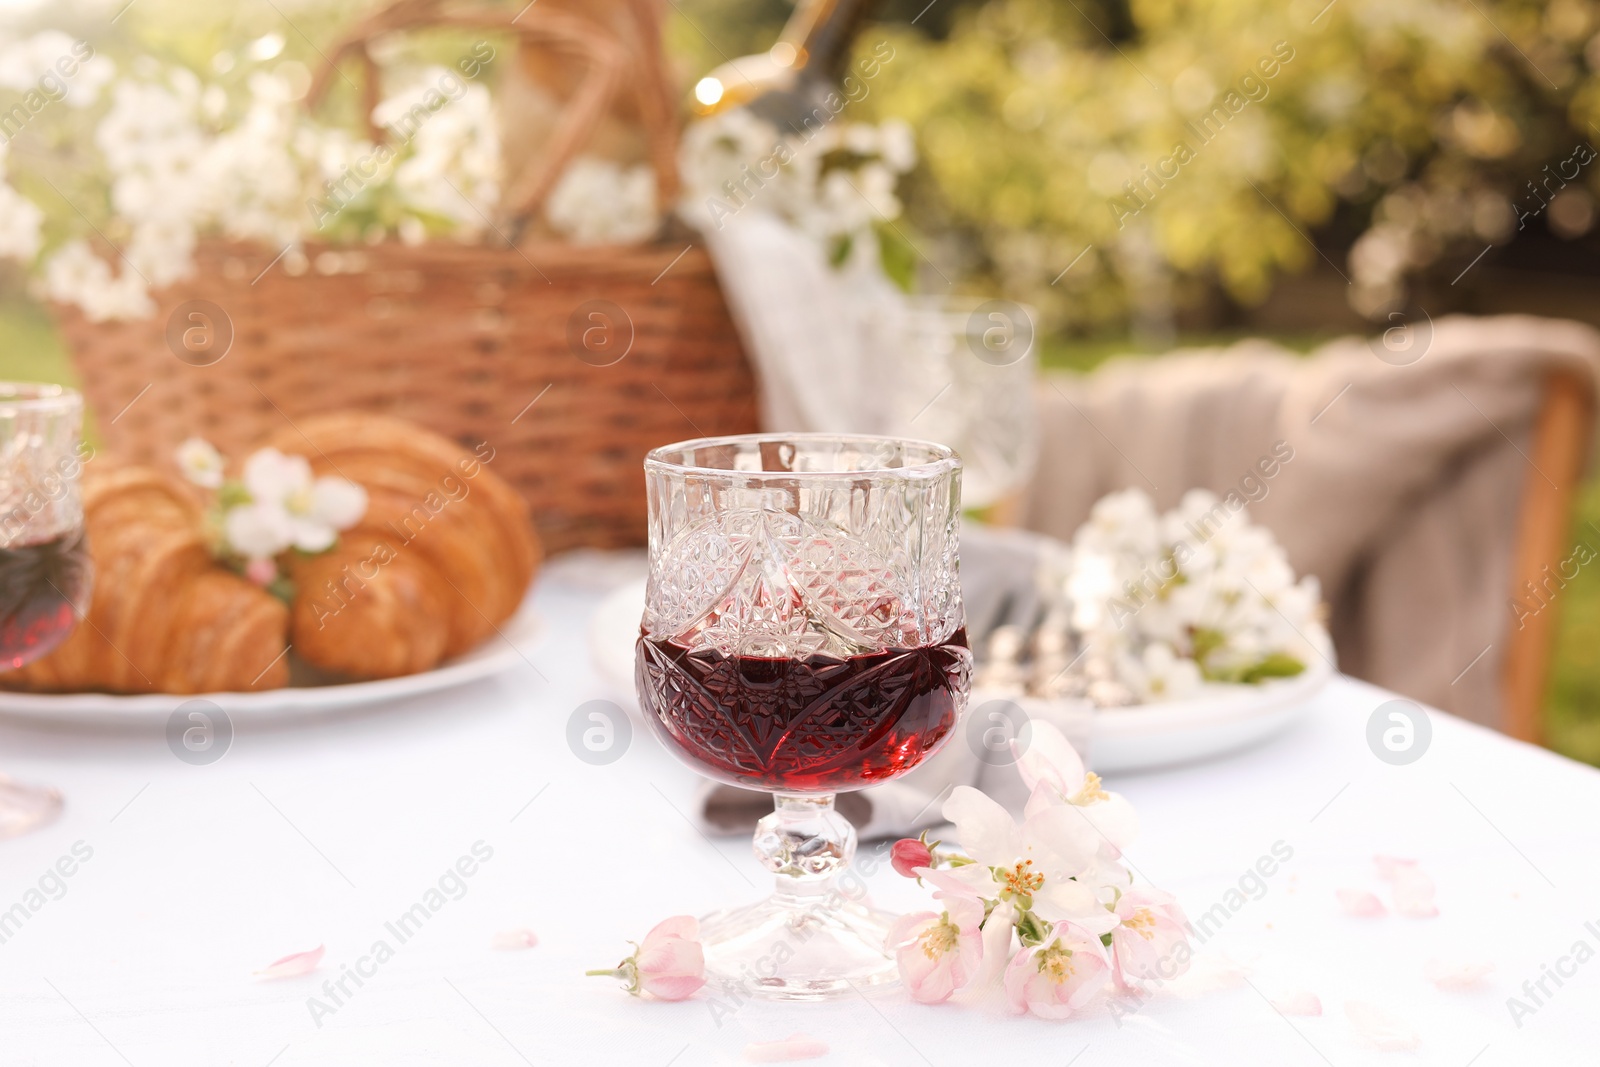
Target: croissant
[[163, 616], [442, 557]]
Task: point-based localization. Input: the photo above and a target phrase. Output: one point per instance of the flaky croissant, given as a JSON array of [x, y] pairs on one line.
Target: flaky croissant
[[163, 615], [443, 556]]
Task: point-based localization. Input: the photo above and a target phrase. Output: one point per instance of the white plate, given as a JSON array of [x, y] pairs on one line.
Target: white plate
[[503, 650], [1222, 719]]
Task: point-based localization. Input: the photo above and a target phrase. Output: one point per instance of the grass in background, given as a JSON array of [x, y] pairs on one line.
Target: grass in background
[[1086, 354], [1574, 702], [30, 349]]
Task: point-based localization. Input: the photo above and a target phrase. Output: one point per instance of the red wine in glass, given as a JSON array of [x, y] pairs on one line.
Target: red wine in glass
[[814, 725], [42, 586], [44, 567]]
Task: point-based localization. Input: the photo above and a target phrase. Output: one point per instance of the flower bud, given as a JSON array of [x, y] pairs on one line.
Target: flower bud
[[262, 572], [908, 854]]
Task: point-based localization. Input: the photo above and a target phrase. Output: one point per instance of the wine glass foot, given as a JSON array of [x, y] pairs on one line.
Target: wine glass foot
[[797, 949], [25, 807]]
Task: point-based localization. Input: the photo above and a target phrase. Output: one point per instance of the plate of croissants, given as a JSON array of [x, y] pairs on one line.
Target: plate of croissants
[[427, 589]]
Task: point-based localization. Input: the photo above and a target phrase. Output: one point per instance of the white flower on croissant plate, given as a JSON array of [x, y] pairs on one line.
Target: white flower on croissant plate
[[200, 462], [257, 531], [290, 509]]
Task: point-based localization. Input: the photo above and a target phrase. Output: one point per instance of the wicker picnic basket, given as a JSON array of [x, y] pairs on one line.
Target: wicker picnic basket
[[569, 362]]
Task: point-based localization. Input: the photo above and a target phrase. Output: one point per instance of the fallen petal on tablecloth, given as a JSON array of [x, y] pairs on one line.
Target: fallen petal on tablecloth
[[293, 964], [1382, 1029], [1454, 976], [1300, 1002], [1413, 894], [1210, 973], [1413, 889], [793, 1047], [1360, 903], [1389, 866], [513, 940]]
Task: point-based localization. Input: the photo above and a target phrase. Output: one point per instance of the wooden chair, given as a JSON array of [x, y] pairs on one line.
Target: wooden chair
[[1559, 450]]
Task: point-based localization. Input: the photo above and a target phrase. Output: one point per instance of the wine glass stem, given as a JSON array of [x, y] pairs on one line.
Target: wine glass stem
[[806, 844]]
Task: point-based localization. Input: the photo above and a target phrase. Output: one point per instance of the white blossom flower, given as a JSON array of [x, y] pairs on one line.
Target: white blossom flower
[[75, 275], [162, 252], [860, 138], [20, 222], [24, 63], [735, 160], [1199, 593], [1054, 773], [1160, 674], [257, 531], [598, 202], [1036, 865], [453, 164], [290, 509], [338, 503], [200, 462], [897, 145], [184, 158]]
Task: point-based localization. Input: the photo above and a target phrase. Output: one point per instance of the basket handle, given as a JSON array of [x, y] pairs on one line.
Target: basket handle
[[605, 59]]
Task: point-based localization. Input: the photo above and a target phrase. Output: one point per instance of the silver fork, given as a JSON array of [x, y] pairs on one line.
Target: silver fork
[[1017, 620]]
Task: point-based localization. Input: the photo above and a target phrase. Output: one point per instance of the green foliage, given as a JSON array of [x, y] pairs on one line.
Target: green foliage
[[1277, 665], [1413, 120], [898, 257], [1272, 665], [703, 34]]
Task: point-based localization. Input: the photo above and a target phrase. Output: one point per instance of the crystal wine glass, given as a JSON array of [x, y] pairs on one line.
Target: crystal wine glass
[[803, 634], [44, 564]]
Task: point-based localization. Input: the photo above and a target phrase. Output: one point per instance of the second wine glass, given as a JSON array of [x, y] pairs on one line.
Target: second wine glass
[[44, 562]]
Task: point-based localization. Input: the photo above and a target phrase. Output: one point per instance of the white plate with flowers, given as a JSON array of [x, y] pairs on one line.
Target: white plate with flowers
[[1216, 720], [1170, 637]]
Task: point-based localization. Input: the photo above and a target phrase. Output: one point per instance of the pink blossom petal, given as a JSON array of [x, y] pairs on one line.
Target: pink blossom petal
[[512, 940], [1360, 903], [671, 956], [1390, 866], [905, 927], [291, 965], [1383, 1030], [793, 1047], [672, 986], [670, 963], [1300, 1002], [1456, 976], [1413, 894], [1211, 972], [684, 926]]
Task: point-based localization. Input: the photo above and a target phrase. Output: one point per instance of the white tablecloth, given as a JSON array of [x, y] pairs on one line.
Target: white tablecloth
[[308, 835]]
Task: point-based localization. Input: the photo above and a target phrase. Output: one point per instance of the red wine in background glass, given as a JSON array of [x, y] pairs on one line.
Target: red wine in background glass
[[40, 584], [820, 724]]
